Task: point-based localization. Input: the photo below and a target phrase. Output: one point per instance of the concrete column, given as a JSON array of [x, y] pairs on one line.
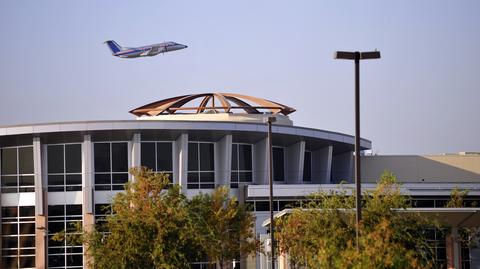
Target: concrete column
[[295, 155], [223, 161], [136, 151], [260, 165], [87, 174], [40, 242], [453, 250], [40, 204], [342, 167], [322, 165], [87, 189], [180, 162]]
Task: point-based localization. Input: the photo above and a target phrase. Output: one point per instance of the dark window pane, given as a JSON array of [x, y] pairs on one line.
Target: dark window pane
[[27, 211], [9, 229], [164, 157], [56, 189], [73, 180], [103, 187], [234, 177], [27, 262], [56, 210], [192, 156], [234, 157], [9, 262], [74, 210], [73, 188], [25, 160], [27, 251], [148, 155], [207, 186], [55, 227], [26, 181], [9, 242], [207, 177], [245, 157], [74, 260], [27, 241], [56, 261], [102, 157], [55, 159], [192, 177], [119, 157], [9, 212], [73, 158], [278, 164], [245, 176], [9, 190], [102, 179], [307, 166], [102, 209], [262, 206], [119, 178], [9, 181], [423, 203], [9, 252], [56, 180], [9, 161], [207, 157]]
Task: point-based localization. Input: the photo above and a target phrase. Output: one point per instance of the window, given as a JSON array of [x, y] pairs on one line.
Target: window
[[307, 166], [111, 165], [201, 174], [18, 237], [278, 164], [436, 239], [241, 164], [17, 169], [64, 254], [64, 166], [158, 156], [101, 213]]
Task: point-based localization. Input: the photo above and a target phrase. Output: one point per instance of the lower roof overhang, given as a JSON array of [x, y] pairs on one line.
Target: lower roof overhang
[[450, 217]]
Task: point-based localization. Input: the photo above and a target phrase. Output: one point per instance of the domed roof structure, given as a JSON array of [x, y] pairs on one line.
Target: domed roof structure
[[211, 103]]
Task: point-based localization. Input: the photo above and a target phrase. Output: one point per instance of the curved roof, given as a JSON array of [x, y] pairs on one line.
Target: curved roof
[[211, 103]]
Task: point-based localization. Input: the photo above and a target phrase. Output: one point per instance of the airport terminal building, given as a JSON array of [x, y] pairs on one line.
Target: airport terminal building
[[54, 174]]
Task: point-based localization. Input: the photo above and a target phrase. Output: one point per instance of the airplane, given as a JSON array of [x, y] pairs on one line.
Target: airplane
[[144, 51]]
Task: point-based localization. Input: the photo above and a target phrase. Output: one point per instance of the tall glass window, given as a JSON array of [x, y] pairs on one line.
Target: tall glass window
[[101, 213], [278, 163], [111, 165], [158, 156], [16, 169], [18, 237], [307, 167], [64, 166], [241, 164], [64, 254], [437, 241], [201, 166]]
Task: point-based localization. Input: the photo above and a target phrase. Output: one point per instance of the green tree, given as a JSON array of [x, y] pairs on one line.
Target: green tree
[[224, 227], [150, 227], [155, 226], [321, 234]]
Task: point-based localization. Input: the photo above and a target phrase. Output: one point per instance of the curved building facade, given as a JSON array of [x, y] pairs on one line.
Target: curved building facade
[[54, 174]]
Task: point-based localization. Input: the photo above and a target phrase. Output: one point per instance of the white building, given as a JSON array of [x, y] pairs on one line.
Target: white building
[[56, 173]]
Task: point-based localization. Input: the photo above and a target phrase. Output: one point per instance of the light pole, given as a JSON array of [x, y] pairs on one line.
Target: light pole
[[357, 56], [269, 121]]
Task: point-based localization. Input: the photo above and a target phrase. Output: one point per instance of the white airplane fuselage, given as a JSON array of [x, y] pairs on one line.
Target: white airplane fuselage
[[145, 51]]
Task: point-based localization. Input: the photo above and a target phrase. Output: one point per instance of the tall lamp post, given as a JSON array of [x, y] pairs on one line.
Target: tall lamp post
[[269, 121], [357, 56]]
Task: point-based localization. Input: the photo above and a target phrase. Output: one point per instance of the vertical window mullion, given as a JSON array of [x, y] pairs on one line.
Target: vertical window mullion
[[156, 156], [111, 167]]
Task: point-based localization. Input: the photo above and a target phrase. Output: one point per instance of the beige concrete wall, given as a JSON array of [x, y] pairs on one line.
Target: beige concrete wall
[[430, 168]]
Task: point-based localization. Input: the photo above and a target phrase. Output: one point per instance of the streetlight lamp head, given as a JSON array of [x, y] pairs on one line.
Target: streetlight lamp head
[[350, 55]]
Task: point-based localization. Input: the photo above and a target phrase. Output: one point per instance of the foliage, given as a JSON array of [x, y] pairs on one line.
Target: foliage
[[224, 227], [155, 226], [468, 236], [322, 233]]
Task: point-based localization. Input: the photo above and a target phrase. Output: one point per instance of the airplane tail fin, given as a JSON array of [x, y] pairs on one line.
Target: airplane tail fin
[[114, 47]]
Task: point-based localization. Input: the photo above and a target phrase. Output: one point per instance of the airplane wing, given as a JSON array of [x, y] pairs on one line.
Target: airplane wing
[[152, 51]]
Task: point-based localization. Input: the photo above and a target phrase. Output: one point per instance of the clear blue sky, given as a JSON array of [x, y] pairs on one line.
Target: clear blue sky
[[422, 97]]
